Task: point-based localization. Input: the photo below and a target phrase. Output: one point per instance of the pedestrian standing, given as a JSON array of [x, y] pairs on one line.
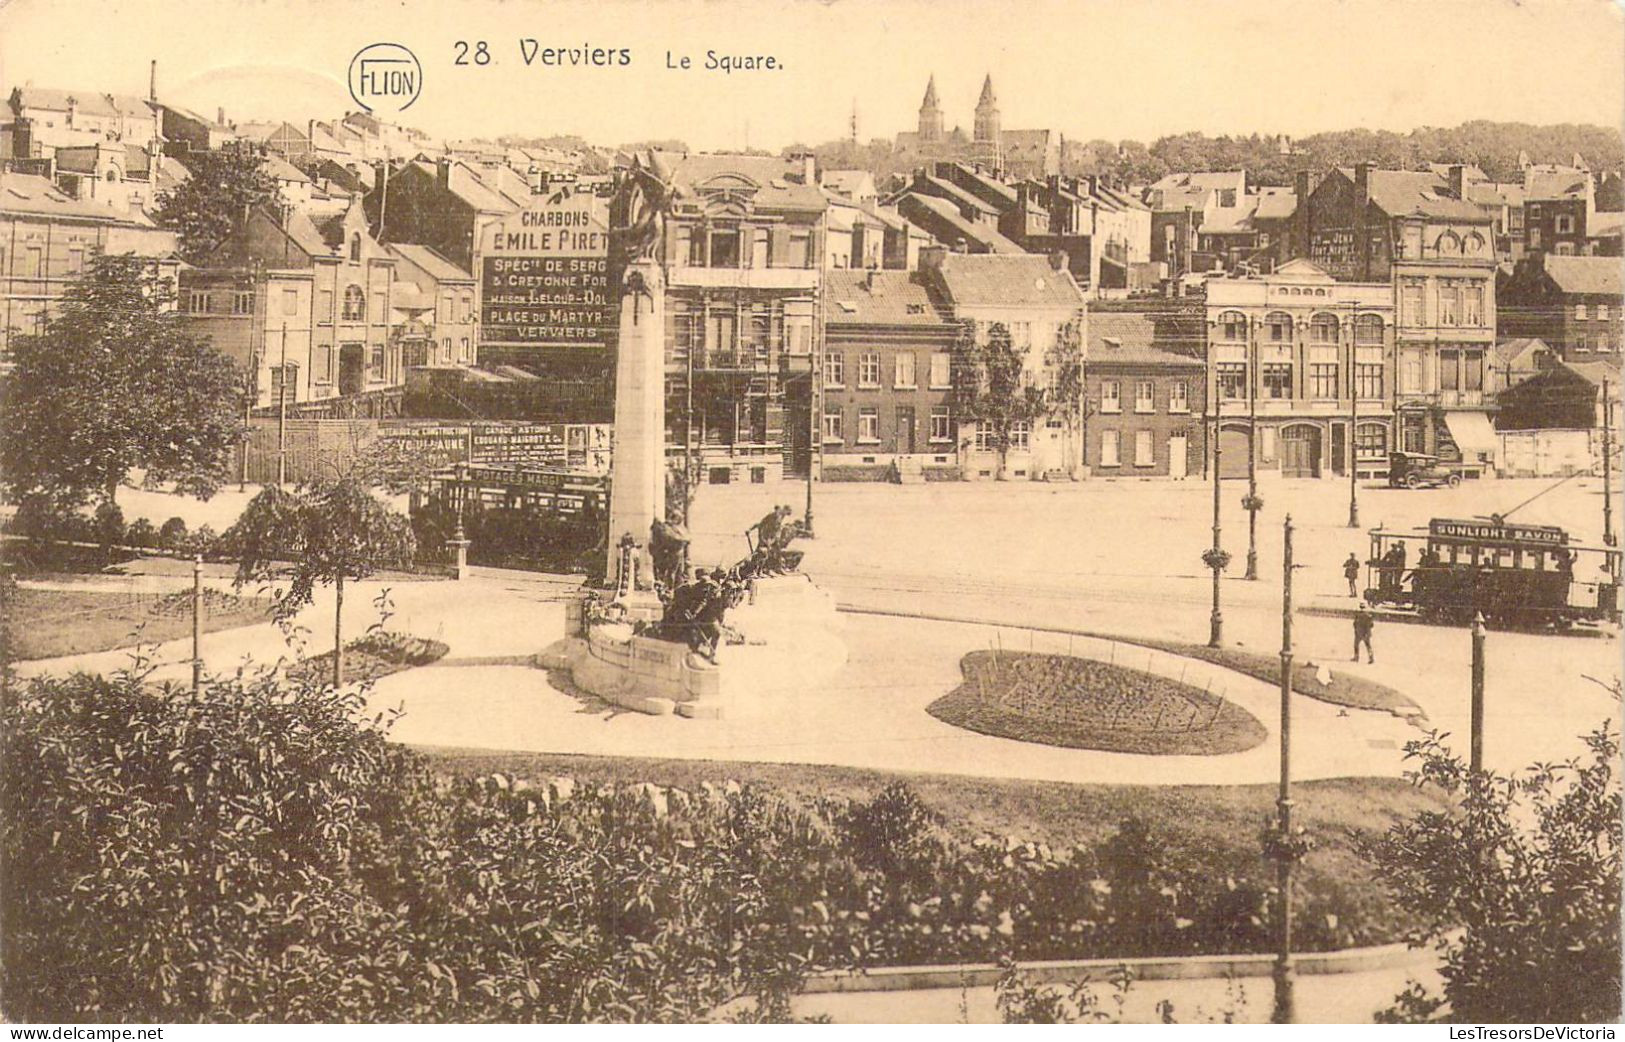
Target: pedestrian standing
[[1351, 572], [1363, 624]]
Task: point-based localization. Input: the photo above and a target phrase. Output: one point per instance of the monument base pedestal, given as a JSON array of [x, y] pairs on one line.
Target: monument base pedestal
[[791, 644]]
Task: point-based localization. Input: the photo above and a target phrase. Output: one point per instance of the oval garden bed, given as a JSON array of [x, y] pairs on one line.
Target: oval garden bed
[[1081, 703]]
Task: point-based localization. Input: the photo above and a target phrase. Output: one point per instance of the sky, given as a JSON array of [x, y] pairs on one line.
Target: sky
[[1110, 69]]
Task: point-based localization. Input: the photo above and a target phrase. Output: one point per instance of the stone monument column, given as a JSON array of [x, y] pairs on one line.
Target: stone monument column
[[637, 495]]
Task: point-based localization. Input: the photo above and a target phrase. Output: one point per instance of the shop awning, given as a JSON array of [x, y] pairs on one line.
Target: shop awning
[[1474, 436]]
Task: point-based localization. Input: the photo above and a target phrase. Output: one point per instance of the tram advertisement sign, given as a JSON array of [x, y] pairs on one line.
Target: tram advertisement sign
[[544, 275]]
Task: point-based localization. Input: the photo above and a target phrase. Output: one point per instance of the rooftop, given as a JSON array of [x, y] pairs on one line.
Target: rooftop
[[1130, 338], [775, 181], [427, 258], [1005, 280], [1404, 193], [28, 194], [88, 102], [1584, 275], [894, 298]]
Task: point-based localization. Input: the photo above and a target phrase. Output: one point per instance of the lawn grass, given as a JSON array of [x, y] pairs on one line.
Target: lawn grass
[[49, 623], [1344, 690], [1080, 703], [1199, 828]]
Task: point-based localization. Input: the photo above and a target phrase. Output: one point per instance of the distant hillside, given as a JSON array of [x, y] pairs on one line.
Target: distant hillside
[[1272, 159]]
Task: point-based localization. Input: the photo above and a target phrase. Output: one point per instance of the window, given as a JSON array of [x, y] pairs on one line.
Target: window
[[445, 349], [719, 332], [1145, 396], [834, 369], [1602, 312], [1410, 303], [903, 375], [800, 249], [1449, 370], [355, 247], [284, 381], [1021, 334], [1579, 311], [376, 364], [1021, 433], [869, 369], [1472, 375], [1232, 380], [1233, 326], [197, 301], [1411, 374], [1534, 237], [1111, 396], [1179, 397], [942, 427], [1145, 455], [832, 424], [1449, 304], [868, 425], [76, 260], [321, 364], [1279, 326], [447, 303], [324, 307], [1472, 311], [798, 331], [1108, 449], [761, 328], [1371, 440], [1565, 224], [984, 436], [1277, 380], [941, 370], [355, 304], [760, 249], [242, 302], [462, 350], [1369, 377], [290, 302], [725, 247], [467, 313], [33, 261], [1368, 331], [1323, 329], [1323, 380]]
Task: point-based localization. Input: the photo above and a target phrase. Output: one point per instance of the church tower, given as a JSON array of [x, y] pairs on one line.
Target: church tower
[[930, 115], [986, 134]]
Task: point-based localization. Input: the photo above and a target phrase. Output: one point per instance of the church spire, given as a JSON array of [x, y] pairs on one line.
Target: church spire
[[987, 98], [930, 115], [930, 101]]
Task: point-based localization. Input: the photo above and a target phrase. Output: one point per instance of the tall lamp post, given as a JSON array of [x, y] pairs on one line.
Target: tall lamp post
[[1215, 557], [1285, 848], [1252, 503], [1354, 415]]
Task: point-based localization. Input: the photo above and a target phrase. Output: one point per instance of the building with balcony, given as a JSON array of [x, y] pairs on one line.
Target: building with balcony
[[886, 377], [1300, 367], [1423, 234], [46, 239], [744, 250]]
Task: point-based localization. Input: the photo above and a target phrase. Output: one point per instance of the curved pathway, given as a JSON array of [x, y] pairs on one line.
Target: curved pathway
[[872, 715]]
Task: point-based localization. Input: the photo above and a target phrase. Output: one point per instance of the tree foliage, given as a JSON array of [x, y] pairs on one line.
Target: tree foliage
[[324, 534], [1517, 886], [226, 185], [990, 385], [114, 383]]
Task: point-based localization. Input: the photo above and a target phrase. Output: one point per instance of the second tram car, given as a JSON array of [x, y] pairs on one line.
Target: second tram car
[[1523, 576]]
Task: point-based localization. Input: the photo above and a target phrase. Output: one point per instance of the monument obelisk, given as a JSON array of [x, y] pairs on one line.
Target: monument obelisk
[[638, 469]]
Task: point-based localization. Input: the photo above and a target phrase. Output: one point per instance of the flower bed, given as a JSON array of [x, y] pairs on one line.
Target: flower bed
[[376, 655], [1085, 704]]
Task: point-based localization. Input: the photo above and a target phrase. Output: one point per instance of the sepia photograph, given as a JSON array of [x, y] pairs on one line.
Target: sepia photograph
[[758, 512]]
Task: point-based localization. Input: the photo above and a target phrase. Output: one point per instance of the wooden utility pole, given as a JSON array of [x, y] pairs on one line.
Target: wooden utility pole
[[1285, 1007], [1478, 694], [282, 412]]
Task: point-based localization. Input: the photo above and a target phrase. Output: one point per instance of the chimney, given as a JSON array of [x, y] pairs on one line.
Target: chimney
[[931, 257], [869, 280], [1362, 202], [152, 83], [1362, 183], [960, 246], [1057, 260], [443, 171], [1458, 180], [220, 115], [310, 134]]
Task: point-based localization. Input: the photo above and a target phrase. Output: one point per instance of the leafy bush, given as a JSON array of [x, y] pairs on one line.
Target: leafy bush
[[172, 534], [141, 533], [1517, 887]]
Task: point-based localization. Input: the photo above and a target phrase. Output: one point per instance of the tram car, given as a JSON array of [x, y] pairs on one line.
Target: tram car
[[1517, 576]]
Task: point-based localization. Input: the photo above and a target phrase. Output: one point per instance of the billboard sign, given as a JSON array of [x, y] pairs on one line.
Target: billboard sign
[[544, 274]]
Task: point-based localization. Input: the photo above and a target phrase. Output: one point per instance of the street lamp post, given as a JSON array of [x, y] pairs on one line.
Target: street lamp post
[[1216, 557], [1354, 414], [1252, 502], [1607, 466], [1286, 846]]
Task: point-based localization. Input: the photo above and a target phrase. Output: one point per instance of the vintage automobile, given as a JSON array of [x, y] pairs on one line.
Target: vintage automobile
[[1517, 576], [1419, 470]]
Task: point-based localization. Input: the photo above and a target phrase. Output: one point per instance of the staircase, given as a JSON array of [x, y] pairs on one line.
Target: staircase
[[1057, 474], [908, 471]]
